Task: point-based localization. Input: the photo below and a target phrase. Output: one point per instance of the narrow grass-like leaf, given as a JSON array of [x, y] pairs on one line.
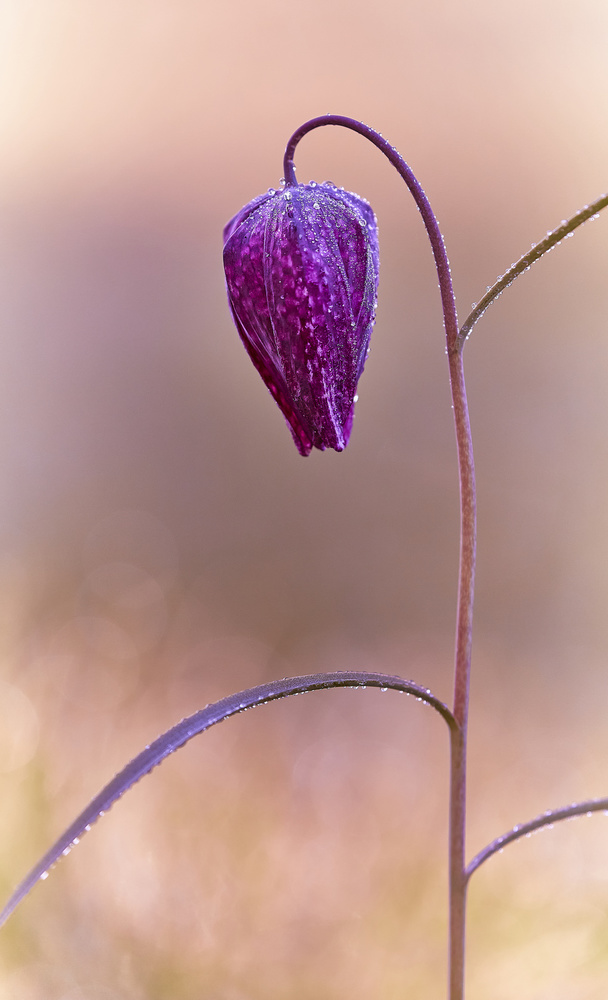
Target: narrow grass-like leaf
[[546, 819], [191, 726], [524, 263]]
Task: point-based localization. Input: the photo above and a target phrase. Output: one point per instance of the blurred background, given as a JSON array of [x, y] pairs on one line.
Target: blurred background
[[162, 544]]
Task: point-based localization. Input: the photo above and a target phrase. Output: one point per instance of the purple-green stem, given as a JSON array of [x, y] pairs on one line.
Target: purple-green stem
[[464, 618]]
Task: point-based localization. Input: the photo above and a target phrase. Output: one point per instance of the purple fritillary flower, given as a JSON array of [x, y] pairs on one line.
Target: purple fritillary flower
[[302, 277]]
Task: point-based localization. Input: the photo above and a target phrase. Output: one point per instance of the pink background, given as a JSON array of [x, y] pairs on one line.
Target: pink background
[[162, 543]]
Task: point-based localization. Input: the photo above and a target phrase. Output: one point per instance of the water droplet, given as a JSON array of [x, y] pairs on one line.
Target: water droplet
[[44, 876]]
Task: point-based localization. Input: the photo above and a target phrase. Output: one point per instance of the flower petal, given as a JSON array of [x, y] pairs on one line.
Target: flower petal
[[302, 274]]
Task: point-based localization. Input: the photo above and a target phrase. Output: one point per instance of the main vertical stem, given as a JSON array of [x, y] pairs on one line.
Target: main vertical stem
[[462, 670], [464, 623]]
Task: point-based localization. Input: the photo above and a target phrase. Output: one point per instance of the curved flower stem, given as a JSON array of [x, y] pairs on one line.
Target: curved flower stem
[[525, 262], [546, 819], [462, 666], [441, 260], [185, 730]]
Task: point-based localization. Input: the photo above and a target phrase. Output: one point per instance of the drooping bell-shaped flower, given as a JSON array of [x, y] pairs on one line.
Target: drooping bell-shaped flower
[[302, 277]]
